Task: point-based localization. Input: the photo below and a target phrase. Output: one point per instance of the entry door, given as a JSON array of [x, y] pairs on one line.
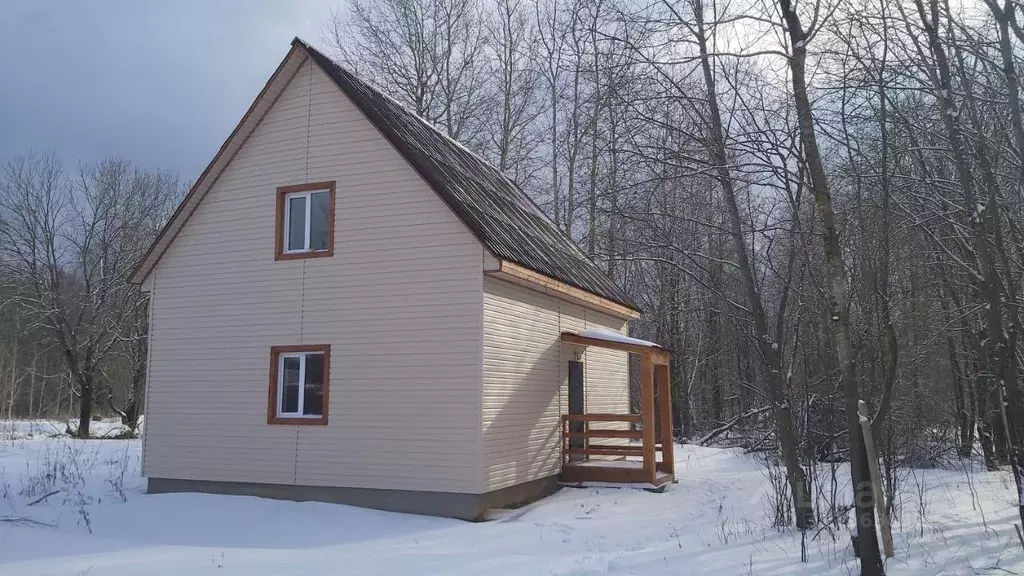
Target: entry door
[[576, 406]]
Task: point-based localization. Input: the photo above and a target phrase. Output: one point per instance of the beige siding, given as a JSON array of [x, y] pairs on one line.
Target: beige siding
[[525, 379], [607, 371], [607, 377], [399, 302]]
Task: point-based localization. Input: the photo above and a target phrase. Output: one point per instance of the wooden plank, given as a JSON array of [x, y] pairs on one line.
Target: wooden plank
[[530, 278], [665, 395], [660, 357], [565, 441], [647, 413], [602, 417], [630, 434], [586, 430], [636, 449], [576, 473], [602, 450], [664, 478]]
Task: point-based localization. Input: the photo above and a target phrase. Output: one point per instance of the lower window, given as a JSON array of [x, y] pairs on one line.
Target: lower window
[[299, 384]]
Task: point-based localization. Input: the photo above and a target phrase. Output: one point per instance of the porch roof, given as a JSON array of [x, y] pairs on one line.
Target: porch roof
[[609, 336], [616, 341]]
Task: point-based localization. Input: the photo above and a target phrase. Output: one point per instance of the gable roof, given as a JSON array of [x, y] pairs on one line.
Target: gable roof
[[501, 216]]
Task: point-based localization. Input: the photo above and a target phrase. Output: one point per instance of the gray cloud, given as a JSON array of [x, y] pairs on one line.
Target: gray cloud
[[160, 82]]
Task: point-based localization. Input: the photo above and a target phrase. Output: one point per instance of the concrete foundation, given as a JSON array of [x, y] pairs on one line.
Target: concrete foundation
[[449, 504]]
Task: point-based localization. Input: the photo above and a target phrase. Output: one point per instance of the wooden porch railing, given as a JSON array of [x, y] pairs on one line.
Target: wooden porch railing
[[589, 448]]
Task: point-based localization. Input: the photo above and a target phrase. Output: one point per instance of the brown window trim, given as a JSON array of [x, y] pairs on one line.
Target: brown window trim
[[275, 355], [283, 191]]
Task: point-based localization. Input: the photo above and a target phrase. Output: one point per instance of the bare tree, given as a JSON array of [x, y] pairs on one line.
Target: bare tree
[[68, 246], [867, 537], [429, 53], [516, 90]]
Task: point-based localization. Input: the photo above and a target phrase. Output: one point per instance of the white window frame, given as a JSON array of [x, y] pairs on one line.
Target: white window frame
[[302, 385], [308, 195]]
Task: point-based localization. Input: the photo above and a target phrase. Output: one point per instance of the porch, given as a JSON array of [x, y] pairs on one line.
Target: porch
[[639, 450]]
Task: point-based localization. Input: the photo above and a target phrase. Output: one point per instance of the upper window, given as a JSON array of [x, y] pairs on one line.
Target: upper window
[[299, 381], [305, 221]]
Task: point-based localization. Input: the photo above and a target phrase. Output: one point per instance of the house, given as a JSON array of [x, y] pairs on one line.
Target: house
[[349, 306]]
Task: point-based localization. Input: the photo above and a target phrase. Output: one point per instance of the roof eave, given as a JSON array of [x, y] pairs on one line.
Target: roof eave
[[528, 277]]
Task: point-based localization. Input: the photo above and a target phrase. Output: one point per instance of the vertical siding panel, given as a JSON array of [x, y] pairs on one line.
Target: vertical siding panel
[[399, 303]]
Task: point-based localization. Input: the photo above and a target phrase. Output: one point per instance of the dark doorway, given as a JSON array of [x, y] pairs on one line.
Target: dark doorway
[[576, 406]]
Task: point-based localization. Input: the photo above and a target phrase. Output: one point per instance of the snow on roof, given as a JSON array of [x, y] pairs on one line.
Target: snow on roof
[[609, 336]]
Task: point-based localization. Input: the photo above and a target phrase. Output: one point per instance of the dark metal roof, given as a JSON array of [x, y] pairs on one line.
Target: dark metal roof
[[493, 207]]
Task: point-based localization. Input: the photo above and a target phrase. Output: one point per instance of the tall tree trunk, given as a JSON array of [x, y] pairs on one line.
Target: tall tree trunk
[[963, 397], [769, 347], [962, 402], [85, 399], [1005, 18], [680, 356], [867, 537], [983, 392], [594, 124]]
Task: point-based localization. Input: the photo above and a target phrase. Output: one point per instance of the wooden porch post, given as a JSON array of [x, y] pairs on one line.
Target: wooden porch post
[[647, 415], [665, 395]]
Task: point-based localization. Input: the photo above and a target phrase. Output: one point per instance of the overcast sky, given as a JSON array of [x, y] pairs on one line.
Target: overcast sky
[[162, 82]]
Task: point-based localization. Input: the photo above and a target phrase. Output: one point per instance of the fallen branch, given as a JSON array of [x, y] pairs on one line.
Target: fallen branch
[[703, 441], [41, 498], [757, 446], [17, 521]]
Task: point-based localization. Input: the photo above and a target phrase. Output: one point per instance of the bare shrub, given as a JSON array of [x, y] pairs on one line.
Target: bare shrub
[[777, 498]]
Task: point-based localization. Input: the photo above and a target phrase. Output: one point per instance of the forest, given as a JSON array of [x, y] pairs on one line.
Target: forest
[[816, 203]]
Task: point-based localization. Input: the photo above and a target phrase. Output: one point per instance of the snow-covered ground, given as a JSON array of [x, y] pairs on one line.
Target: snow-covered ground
[[22, 429], [72, 507]]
